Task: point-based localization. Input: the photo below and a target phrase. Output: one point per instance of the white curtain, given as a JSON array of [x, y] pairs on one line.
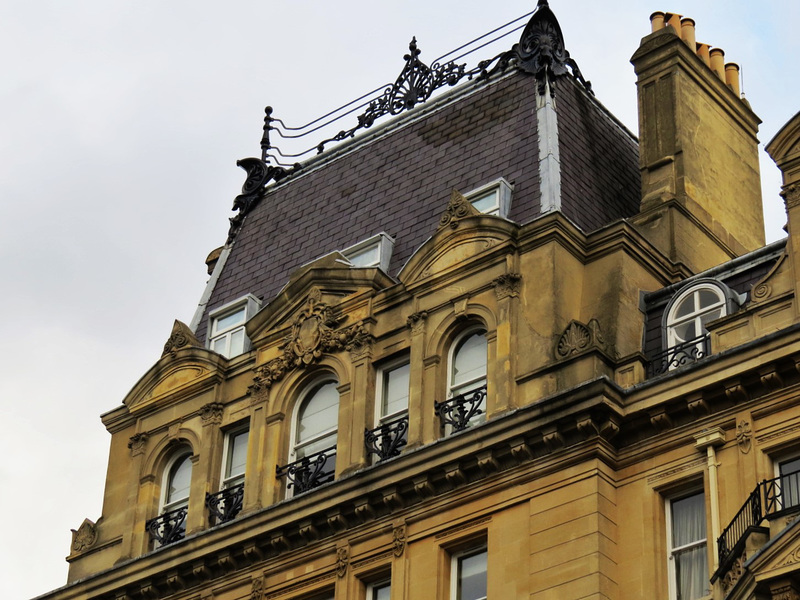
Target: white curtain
[[689, 547]]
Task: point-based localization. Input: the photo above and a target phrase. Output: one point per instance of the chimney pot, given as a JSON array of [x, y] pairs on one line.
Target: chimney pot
[[687, 33], [702, 52], [674, 21], [718, 62], [732, 77], [656, 21]]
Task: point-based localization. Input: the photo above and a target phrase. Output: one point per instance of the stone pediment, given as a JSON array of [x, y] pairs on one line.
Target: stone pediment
[[780, 556], [175, 376], [451, 247], [315, 294]]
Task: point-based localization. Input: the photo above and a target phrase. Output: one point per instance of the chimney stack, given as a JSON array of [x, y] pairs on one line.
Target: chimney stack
[[698, 150]]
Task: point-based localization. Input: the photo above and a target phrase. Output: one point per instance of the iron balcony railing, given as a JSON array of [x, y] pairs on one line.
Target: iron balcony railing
[[388, 439], [769, 497], [681, 354], [226, 503], [457, 412], [310, 471], [168, 527]]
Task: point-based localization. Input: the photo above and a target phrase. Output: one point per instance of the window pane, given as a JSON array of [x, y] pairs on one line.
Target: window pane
[[708, 298], [237, 454], [688, 546], [472, 577], [686, 331], [179, 480], [368, 257], [220, 345], [229, 320], [395, 390], [237, 343], [710, 316], [688, 520], [381, 592], [487, 202], [685, 307], [469, 361], [320, 412], [790, 482]]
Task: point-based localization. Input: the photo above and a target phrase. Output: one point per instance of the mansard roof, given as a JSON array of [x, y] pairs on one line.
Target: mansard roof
[[398, 178]]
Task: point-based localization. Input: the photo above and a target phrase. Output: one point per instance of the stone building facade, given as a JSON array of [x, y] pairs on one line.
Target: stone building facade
[[493, 347]]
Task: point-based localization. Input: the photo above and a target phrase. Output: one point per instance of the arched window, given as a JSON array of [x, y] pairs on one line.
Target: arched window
[[313, 452], [691, 310], [170, 525], [466, 385], [468, 363]]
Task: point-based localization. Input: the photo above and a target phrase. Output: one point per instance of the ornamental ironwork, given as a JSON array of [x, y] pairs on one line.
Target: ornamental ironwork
[[769, 497], [226, 503], [415, 84], [540, 52], [168, 527], [457, 412], [685, 353], [387, 440], [310, 471]]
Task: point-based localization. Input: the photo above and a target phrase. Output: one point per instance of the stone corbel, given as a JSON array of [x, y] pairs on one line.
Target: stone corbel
[[308, 532], [252, 552], [587, 426], [364, 510], [735, 391], [200, 571], [175, 582], [336, 519], [455, 475], [392, 499], [552, 438], [227, 562], [279, 542], [138, 443], [610, 428], [520, 450], [697, 405], [423, 486], [487, 462], [211, 413], [770, 378], [416, 322], [660, 419]]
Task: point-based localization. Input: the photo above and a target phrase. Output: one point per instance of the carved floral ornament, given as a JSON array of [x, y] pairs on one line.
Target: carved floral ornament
[[180, 337], [84, 537], [791, 195], [744, 436], [137, 443], [457, 209], [507, 285], [399, 540], [577, 337], [314, 333], [342, 560]]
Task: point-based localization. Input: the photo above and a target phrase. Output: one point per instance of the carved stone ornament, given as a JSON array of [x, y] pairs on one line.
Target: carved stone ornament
[[137, 443], [743, 436], [541, 52], [211, 413], [416, 321], [507, 285], [791, 195], [733, 575], [787, 592], [577, 337], [257, 589], [180, 337], [342, 560], [314, 333], [85, 537], [399, 540], [458, 208]]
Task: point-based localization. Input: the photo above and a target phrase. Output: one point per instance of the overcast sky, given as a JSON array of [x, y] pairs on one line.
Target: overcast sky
[[120, 125]]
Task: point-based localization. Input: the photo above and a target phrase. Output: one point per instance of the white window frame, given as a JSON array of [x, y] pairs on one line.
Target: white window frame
[[227, 480], [376, 586], [251, 305], [502, 190], [303, 397], [671, 551], [451, 355], [164, 505], [455, 563], [696, 316], [777, 463], [383, 242], [380, 392]]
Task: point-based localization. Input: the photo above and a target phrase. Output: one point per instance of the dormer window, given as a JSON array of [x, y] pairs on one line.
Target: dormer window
[[226, 331], [375, 252], [492, 199]]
